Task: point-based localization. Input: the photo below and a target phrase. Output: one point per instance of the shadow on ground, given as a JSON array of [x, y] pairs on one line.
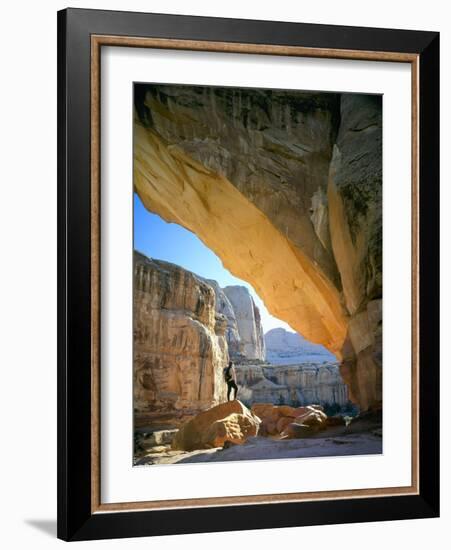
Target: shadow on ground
[[46, 526]]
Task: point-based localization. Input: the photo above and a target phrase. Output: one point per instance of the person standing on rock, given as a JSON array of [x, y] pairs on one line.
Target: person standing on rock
[[230, 378]]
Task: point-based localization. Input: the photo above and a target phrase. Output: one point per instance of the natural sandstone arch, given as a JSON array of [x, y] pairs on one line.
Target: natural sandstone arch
[[286, 188], [181, 190]]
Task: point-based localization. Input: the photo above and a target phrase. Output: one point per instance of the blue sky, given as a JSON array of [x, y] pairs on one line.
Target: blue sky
[[170, 242]]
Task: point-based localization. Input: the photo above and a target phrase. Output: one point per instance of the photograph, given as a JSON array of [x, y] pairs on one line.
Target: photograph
[[226, 275], [248, 272], [257, 274]]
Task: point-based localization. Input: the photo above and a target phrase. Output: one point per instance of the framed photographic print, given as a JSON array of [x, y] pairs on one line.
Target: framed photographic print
[[248, 274]]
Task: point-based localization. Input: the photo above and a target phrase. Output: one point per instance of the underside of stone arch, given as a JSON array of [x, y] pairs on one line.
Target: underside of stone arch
[[285, 188]]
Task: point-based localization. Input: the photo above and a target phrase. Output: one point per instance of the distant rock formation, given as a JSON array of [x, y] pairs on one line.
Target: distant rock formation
[[295, 385], [286, 188], [224, 307], [290, 348], [247, 316], [180, 347]]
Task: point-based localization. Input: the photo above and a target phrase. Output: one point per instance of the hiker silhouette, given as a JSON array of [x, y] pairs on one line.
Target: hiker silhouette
[[230, 378]]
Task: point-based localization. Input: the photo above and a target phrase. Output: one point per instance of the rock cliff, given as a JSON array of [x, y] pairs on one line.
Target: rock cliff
[[233, 336], [185, 331], [180, 347], [248, 321], [285, 348], [285, 187], [292, 384]]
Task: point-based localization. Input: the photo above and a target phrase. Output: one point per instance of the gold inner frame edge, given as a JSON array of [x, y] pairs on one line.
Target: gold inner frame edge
[[97, 41]]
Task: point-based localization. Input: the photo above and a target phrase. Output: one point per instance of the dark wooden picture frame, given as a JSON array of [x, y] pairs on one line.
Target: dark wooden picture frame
[[81, 34]]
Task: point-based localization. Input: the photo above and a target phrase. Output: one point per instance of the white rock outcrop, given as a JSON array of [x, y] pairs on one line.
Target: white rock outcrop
[[248, 320], [285, 348]]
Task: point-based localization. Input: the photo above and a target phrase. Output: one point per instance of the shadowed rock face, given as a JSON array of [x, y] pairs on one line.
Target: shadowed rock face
[[285, 187]]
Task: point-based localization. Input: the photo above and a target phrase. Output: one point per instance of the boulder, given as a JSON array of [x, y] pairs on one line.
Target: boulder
[[278, 419], [282, 423], [162, 437], [234, 429], [261, 409], [267, 410], [146, 441], [158, 449], [285, 410], [302, 410], [269, 427], [312, 418], [307, 424], [296, 431], [216, 425]]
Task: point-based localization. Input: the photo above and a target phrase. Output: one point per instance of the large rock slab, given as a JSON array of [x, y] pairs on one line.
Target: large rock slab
[[230, 421]]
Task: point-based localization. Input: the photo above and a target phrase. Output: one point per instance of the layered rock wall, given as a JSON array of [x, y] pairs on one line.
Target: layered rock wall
[[292, 384], [185, 332], [285, 187], [180, 347]]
